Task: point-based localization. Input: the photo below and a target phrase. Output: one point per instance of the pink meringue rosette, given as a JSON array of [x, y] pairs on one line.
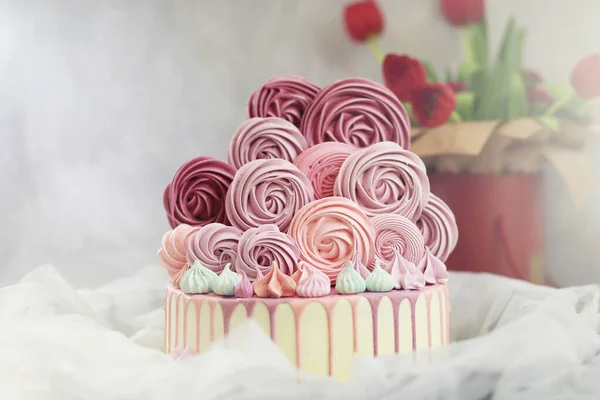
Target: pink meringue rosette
[[174, 246], [385, 179], [329, 232], [214, 245], [394, 232], [321, 164], [438, 225], [358, 112], [267, 192], [197, 192], [285, 97], [265, 138], [258, 248]]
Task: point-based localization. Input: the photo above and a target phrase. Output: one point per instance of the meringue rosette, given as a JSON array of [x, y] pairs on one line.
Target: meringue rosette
[[394, 232], [385, 179], [285, 97], [267, 192], [258, 248], [214, 245], [197, 192], [265, 138], [174, 246], [321, 164], [329, 233], [438, 226], [356, 111]]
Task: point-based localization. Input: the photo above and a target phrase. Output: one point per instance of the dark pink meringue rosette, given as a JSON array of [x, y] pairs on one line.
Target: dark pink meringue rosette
[[265, 138], [197, 192], [267, 192], [259, 247], [214, 245], [438, 225], [395, 233], [321, 164], [358, 112], [285, 97], [329, 232], [385, 179]]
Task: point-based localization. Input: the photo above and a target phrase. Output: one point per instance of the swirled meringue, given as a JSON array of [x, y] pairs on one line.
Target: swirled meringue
[[214, 245], [258, 248], [379, 280], [438, 225], [349, 281], [226, 282], [358, 112], [285, 97], [265, 138], [321, 164], [395, 232], [359, 266], [244, 288], [329, 232], [197, 192], [275, 284], [384, 179], [197, 279], [313, 283], [267, 192], [174, 246], [405, 274], [433, 269]]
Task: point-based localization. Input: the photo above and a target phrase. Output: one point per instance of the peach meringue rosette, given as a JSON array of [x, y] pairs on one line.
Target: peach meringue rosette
[[172, 253], [329, 232]]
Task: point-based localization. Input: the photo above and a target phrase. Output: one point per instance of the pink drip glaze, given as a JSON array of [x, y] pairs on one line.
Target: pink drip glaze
[[298, 305]]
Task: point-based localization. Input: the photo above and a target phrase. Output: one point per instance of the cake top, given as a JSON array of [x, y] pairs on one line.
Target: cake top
[[319, 190]]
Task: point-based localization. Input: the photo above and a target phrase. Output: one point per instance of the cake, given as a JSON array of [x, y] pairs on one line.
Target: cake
[[320, 227]]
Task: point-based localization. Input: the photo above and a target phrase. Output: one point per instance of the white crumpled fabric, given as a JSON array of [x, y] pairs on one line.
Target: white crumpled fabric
[[512, 340]]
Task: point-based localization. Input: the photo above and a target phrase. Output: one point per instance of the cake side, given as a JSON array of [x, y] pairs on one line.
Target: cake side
[[318, 335]]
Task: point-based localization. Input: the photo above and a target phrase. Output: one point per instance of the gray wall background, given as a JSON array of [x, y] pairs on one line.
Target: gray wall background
[[101, 101]]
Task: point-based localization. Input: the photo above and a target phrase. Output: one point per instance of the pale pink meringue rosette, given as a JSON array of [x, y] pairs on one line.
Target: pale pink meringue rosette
[[285, 97], [259, 247], [393, 233], [172, 254], [438, 225], [321, 164], [267, 192], [329, 232], [356, 111], [197, 192], [265, 138], [385, 179], [214, 245]]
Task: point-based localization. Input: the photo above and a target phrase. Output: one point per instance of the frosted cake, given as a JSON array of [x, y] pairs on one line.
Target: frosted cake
[[320, 226]]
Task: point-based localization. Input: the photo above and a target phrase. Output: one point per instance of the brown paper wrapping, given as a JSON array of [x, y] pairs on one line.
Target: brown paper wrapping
[[513, 147]]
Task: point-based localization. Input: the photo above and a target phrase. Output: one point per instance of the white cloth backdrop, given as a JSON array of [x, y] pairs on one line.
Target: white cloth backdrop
[[101, 101], [512, 340]]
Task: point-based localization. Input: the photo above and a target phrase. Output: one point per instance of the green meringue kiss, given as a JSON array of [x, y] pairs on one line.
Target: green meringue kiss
[[225, 284], [197, 280], [379, 280], [349, 281]]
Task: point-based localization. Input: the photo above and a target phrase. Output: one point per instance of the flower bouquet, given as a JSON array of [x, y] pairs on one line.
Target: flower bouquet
[[485, 130]]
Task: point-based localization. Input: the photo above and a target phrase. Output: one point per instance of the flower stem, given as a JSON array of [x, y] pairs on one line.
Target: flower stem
[[375, 48], [455, 118], [465, 32], [559, 103]]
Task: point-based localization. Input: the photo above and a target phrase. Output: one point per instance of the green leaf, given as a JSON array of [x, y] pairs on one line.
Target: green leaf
[[480, 44], [550, 122], [517, 99], [448, 75], [408, 108], [431, 74], [464, 105], [466, 71]]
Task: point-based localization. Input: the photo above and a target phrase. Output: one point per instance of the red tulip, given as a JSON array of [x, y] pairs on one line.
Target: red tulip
[[585, 77], [402, 75], [463, 12], [531, 77], [363, 19], [433, 104], [540, 95], [458, 86]]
